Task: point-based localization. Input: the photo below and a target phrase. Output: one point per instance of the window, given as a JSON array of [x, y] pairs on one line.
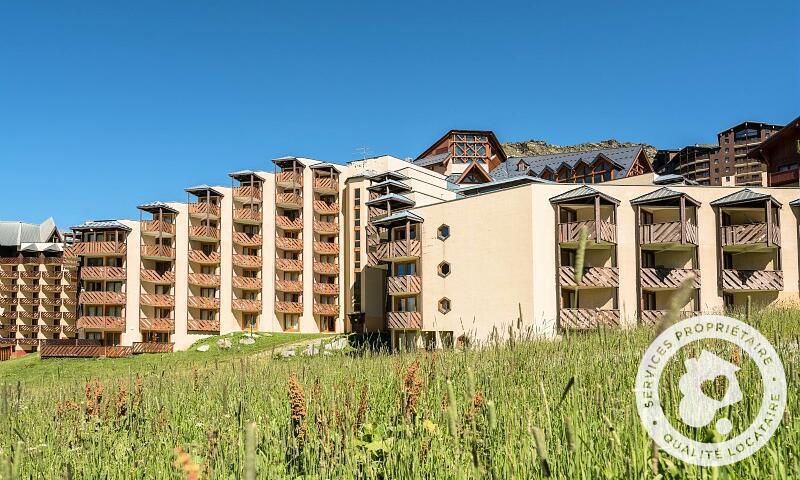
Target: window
[[648, 301], [648, 259], [208, 292], [208, 315], [406, 304], [443, 269], [402, 269], [444, 305], [357, 196], [443, 232], [291, 322]]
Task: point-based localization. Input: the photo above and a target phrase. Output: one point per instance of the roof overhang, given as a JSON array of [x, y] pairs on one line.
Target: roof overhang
[[202, 190], [156, 207], [245, 175], [399, 218]]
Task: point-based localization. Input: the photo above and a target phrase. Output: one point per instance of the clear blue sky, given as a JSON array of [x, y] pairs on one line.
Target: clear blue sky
[[105, 105]]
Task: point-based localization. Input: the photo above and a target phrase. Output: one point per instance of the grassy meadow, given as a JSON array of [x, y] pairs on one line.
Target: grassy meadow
[[524, 409]]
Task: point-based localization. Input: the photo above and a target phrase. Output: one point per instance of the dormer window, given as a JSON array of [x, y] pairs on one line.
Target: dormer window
[[522, 166]]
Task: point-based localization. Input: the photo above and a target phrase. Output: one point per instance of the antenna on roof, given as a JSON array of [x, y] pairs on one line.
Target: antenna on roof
[[363, 149]]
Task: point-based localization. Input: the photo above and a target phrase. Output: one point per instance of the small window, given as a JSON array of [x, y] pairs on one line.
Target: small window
[[443, 232], [444, 269], [444, 305]]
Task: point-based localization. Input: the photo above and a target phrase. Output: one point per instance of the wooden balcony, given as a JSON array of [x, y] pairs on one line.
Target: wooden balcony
[[103, 273], [327, 185], [96, 249], [326, 288], [246, 261], [587, 318], [326, 228], [8, 288], [291, 201], [285, 223], [31, 301], [206, 303], [70, 316], [102, 298], [288, 307], [323, 208], [157, 324], [605, 233], [199, 256], [289, 286], [404, 284], [289, 179], [28, 288], [288, 265], [51, 274], [157, 300], [5, 342], [246, 283], [653, 317], [204, 233], [7, 315], [203, 279], [666, 232], [247, 215], [243, 305], [326, 268], [29, 342], [751, 234], [152, 347], [50, 288], [203, 210], [8, 274], [157, 227], [157, 252], [104, 323], [211, 326], [247, 193], [326, 248], [668, 278], [289, 244], [59, 350], [24, 328], [6, 302], [326, 309], [404, 320], [246, 240], [50, 315], [153, 276], [397, 250], [50, 329], [30, 275], [752, 280], [53, 302]]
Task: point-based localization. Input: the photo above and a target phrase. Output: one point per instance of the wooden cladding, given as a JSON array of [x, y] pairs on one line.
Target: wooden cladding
[[243, 305], [397, 249], [289, 178], [604, 277], [285, 243], [326, 184], [204, 208], [203, 279], [202, 325], [246, 283], [326, 208], [326, 309], [326, 228], [96, 248], [326, 268], [291, 286], [247, 192], [289, 265], [157, 226], [653, 317], [240, 238], [598, 232], [158, 251], [247, 215], [289, 200], [199, 256], [404, 284], [288, 307], [152, 347], [326, 248], [103, 273], [206, 303], [154, 276], [325, 288], [404, 320], [667, 232], [105, 323], [754, 233], [102, 298], [286, 223], [157, 324], [753, 280], [203, 232], [587, 318], [246, 261], [157, 300], [83, 351], [668, 277]]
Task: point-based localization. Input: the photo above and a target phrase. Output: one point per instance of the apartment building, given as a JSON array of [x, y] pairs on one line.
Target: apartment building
[[781, 153]]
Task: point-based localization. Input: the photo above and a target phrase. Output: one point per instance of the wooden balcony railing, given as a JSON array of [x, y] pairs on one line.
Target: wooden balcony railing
[[668, 277], [8, 315], [789, 177], [8, 274], [8, 288], [50, 350], [157, 324], [326, 184], [326, 268], [154, 276], [28, 341], [50, 274], [286, 223], [102, 298], [204, 209], [326, 228], [243, 305], [199, 256], [157, 300], [754, 233], [246, 261], [24, 328], [206, 303], [652, 317], [246, 283], [157, 226], [7, 301], [50, 315], [246, 240], [288, 307], [404, 320], [247, 215], [326, 208], [754, 280], [158, 251], [105, 323], [203, 232], [288, 265], [53, 302], [288, 243], [586, 318], [404, 284], [290, 286], [397, 249], [326, 248], [30, 275], [605, 232], [51, 288], [289, 178], [33, 301], [50, 328], [70, 316], [247, 192], [326, 288], [194, 325], [152, 347], [103, 273], [666, 232], [289, 200], [203, 279], [28, 288], [325, 309], [96, 248]]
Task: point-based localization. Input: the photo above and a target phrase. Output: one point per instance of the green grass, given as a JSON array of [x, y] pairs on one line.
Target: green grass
[[376, 416]]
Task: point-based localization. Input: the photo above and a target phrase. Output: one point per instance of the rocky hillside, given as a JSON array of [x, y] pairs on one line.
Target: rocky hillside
[[540, 147]]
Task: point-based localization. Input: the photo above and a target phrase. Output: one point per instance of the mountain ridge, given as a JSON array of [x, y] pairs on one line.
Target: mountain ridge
[[535, 147]]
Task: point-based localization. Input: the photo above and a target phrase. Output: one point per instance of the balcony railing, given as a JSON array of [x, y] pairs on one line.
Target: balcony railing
[[404, 320], [152, 347], [96, 248], [246, 261], [752, 280], [606, 232], [158, 226], [404, 284], [202, 325], [326, 228], [289, 265], [288, 307], [397, 249], [158, 251], [326, 184], [286, 223], [285, 243], [102, 298], [154, 276], [103, 273], [203, 279], [204, 232], [326, 268], [666, 232], [247, 215], [290, 286], [326, 248], [105, 323], [157, 324], [289, 179], [157, 300], [326, 208], [586, 318], [325, 309], [750, 234], [199, 256], [246, 283], [653, 317], [247, 193], [789, 177], [289, 200], [668, 278], [240, 238], [207, 303], [243, 305], [326, 288], [204, 208], [8, 274], [598, 277]]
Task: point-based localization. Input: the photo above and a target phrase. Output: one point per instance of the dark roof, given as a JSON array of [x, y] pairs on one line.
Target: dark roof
[[661, 195], [156, 206], [14, 234], [101, 225], [338, 168], [500, 185], [387, 175], [392, 184], [283, 161], [197, 189], [401, 216], [581, 193], [431, 160], [772, 138], [392, 197], [672, 178], [743, 196], [795, 203], [244, 175], [622, 158], [490, 136], [751, 123]]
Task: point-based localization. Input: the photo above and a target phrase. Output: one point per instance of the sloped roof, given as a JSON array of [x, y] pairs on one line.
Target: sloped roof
[[397, 217], [387, 175], [156, 206], [14, 234], [431, 160], [499, 185], [661, 195], [244, 175], [490, 136], [795, 203], [203, 188], [622, 158], [393, 184], [743, 196], [581, 193], [101, 225], [338, 168], [392, 197]]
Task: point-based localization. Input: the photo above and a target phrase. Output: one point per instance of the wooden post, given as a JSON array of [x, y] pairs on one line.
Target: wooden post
[[769, 222], [597, 218], [683, 219]]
